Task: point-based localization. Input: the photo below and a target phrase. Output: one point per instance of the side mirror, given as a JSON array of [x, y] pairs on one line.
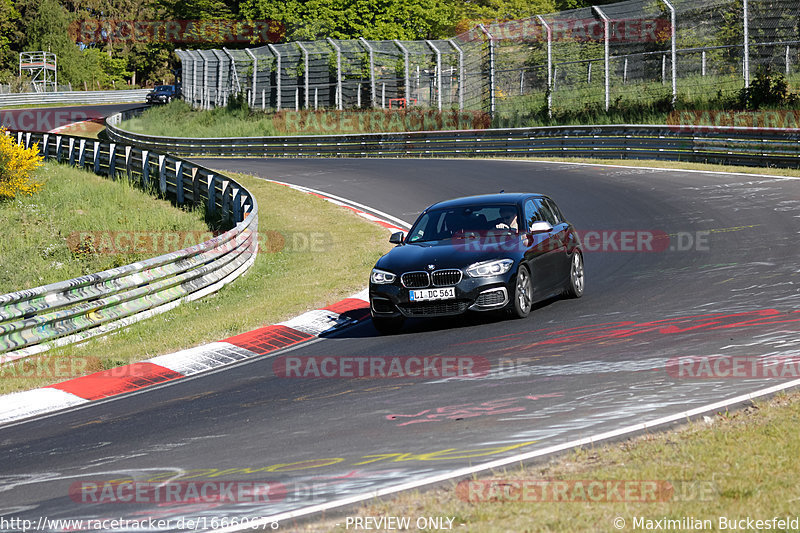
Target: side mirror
[[397, 238], [540, 227]]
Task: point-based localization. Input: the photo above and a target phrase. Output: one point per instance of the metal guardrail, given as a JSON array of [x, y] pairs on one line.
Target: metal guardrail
[[706, 144], [37, 319], [74, 97]]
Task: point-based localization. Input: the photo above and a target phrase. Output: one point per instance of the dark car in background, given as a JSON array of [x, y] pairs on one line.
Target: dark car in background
[[163, 94], [478, 253]]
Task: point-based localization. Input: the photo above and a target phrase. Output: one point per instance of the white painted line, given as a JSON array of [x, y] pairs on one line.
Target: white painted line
[[399, 222], [723, 172], [466, 471]]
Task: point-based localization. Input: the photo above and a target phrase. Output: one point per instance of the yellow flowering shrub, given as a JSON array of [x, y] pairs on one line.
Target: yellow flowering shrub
[[16, 165]]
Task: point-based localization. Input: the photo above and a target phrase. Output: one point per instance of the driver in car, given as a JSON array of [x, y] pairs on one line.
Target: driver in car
[[508, 218]]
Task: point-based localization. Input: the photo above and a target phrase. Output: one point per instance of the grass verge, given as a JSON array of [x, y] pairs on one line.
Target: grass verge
[[39, 230], [735, 465], [315, 254]]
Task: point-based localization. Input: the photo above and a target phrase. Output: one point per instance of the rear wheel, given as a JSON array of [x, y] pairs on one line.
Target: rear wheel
[[388, 326], [576, 282], [523, 294]]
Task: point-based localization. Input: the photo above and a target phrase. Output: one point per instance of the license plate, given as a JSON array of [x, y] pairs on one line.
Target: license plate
[[443, 293]]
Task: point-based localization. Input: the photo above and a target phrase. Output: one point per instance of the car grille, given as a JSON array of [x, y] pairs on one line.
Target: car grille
[[434, 308], [415, 280], [444, 278], [490, 298]]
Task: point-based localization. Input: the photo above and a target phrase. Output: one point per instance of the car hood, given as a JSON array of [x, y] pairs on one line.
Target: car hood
[[447, 254]]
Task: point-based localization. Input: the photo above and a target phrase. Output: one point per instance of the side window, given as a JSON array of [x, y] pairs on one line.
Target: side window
[[547, 213], [556, 211], [531, 214]]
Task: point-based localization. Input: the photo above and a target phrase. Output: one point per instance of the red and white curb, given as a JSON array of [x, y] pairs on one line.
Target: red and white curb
[[157, 370]]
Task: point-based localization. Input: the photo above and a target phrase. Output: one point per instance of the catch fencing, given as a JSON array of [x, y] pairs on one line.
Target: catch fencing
[[34, 320], [645, 51]]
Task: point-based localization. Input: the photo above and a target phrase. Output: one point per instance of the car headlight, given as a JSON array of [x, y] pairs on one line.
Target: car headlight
[[382, 277], [489, 268]]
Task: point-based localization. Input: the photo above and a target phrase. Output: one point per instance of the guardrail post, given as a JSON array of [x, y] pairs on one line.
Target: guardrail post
[[371, 71], [71, 158], [128, 160], [461, 79], [211, 194], [96, 156], [28, 140], [236, 192], [145, 169], [162, 174], [491, 71], [673, 50], [82, 153], [226, 201], [195, 186], [112, 161], [58, 148], [606, 24], [45, 146], [179, 182], [338, 73]]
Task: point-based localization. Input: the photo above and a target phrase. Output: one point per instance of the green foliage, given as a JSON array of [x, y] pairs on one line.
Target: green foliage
[[767, 90]]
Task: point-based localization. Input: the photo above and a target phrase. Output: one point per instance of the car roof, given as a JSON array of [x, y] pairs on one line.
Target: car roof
[[498, 198]]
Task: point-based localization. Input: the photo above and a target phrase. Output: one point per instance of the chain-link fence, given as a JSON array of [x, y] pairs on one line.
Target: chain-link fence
[[647, 52]]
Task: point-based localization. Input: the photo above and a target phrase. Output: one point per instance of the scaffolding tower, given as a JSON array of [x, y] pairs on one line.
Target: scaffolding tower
[[42, 69]]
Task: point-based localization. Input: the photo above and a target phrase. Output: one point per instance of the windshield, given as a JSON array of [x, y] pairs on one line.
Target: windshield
[[459, 222], [163, 88]]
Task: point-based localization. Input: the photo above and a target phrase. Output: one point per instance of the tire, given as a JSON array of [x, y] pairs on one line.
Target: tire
[[388, 326], [575, 280], [523, 293]]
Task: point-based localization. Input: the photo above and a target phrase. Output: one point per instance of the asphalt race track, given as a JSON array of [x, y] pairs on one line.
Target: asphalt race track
[[722, 281]]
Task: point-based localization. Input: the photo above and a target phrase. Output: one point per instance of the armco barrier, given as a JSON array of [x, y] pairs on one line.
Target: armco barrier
[[74, 97], [36, 319], [706, 144]]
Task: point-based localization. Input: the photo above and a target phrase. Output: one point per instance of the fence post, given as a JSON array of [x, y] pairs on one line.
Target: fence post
[[112, 161], [45, 142], [305, 73], [491, 70], [746, 59], [371, 70], [787, 60], [438, 73], [606, 80], [277, 76], [461, 79], [339, 94], [406, 79], [255, 70], [673, 50]]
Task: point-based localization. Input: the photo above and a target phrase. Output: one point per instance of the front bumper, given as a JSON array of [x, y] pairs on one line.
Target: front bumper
[[473, 294]]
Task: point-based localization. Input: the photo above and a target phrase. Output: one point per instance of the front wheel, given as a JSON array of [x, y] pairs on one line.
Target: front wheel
[[576, 282], [388, 326], [523, 294]]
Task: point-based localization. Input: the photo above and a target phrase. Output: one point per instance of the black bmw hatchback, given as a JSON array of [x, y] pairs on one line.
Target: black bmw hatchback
[[478, 253]]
